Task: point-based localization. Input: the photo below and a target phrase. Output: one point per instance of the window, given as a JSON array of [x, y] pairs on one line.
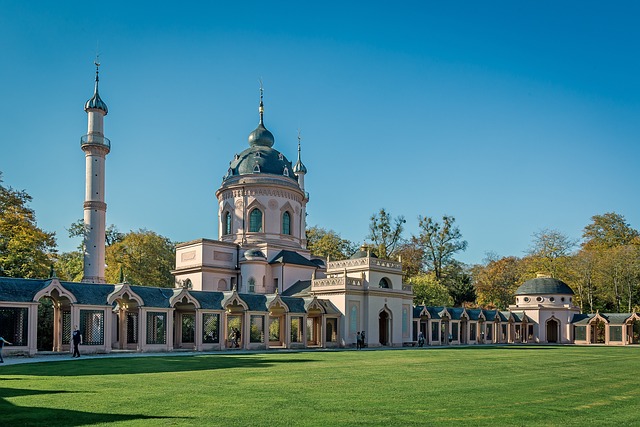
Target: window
[[580, 333], [454, 331], [156, 328], [384, 283], [286, 223], [227, 223], [527, 299], [255, 221], [331, 330], [252, 284], [92, 327], [473, 331], [353, 320], [132, 328], [14, 325], [615, 333], [286, 171], [210, 328], [434, 331], [188, 328]]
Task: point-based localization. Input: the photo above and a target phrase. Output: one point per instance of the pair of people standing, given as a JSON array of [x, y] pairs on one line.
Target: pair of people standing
[[235, 337], [360, 343]]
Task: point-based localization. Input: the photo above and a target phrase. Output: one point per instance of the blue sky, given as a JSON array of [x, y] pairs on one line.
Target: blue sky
[[510, 116]]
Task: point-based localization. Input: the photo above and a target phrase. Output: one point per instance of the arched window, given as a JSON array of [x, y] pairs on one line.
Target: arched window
[[255, 221], [286, 223], [384, 283], [252, 285], [227, 223]]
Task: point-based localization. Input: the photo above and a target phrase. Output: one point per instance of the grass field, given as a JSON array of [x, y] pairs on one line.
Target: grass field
[[459, 386]]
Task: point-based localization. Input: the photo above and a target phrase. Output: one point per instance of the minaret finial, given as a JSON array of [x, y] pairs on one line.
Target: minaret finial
[[261, 109]]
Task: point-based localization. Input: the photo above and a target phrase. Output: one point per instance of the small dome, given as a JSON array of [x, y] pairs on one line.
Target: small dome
[[261, 137], [299, 167], [544, 285], [254, 254], [96, 103]]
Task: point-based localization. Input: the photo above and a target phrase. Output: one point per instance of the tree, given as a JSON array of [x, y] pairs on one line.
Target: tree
[[69, 266], [550, 252], [25, 249], [147, 259], [411, 256], [607, 231], [497, 282], [457, 279], [328, 244], [439, 242], [428, 290], [385, 233]]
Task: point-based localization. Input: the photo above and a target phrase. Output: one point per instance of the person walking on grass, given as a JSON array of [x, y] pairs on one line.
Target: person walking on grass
[[2, 343], [77, 340]]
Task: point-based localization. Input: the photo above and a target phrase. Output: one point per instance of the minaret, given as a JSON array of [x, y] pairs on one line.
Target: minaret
[[95, 147], [300, 170]]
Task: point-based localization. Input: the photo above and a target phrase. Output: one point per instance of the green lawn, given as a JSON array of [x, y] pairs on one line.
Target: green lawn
[[469, 386]]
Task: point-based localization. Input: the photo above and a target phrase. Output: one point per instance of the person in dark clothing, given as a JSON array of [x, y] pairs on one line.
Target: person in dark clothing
[[238, 338], [77, 340], [364, 343], [2, 343], [358, 341]]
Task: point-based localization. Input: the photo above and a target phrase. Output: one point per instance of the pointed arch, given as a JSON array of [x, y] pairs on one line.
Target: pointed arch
[[124, 292], [55, 284], [181, 296]]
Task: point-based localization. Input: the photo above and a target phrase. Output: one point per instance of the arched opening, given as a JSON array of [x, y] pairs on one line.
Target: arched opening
[[384, 328], [234, 335], [54, 322], [553, 329], [598, 332], [634, 332], [277, 316], [314, 327], [127, 323], [385, 283], [222, 285], [463, 331], [184, 322]]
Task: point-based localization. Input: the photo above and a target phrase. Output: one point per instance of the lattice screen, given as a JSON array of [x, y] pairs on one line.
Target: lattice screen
[[210, 322], [92, 327]]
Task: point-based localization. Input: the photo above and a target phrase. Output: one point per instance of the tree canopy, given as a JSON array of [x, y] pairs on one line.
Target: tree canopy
[[327, 243], [385, 233], [439, 242], [25, 249]]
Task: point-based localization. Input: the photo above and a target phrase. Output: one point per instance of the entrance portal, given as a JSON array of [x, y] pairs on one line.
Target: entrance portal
[[383, 328], [552, 331]]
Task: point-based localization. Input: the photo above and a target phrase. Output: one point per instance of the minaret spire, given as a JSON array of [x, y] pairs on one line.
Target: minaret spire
[[261, 108]]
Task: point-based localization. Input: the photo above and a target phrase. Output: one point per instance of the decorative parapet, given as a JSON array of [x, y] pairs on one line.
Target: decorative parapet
[[364, 262], [407, 287], [337, 283], [95, 140]]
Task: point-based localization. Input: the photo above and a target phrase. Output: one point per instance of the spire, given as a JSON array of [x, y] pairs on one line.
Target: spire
[[299, 167], [261, 136], [96, 102]]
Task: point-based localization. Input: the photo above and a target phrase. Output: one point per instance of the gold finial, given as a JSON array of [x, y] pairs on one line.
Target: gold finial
[[261, 108]]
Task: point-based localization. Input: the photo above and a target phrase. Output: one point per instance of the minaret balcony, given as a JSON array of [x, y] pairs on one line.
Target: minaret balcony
[[97, 140]]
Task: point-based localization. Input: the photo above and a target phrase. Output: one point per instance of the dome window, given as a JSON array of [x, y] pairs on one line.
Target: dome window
[[552, 299], [280, 156], [539, 299], [230, 172], [286, 223], [256, 168], [227, 223], [236, 157], [286, 171], [255, 221], [562, 299], [527, 299], [257, 154]]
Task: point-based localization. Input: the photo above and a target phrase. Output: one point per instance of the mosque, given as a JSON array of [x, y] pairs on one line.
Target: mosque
[[259, 287]]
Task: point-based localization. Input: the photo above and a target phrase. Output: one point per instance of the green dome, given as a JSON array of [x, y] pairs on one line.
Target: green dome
[[544, 285], [260, 160]]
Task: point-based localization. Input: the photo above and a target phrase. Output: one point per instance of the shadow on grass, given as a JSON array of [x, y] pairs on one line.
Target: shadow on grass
[[37, 416], [145, 365]]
